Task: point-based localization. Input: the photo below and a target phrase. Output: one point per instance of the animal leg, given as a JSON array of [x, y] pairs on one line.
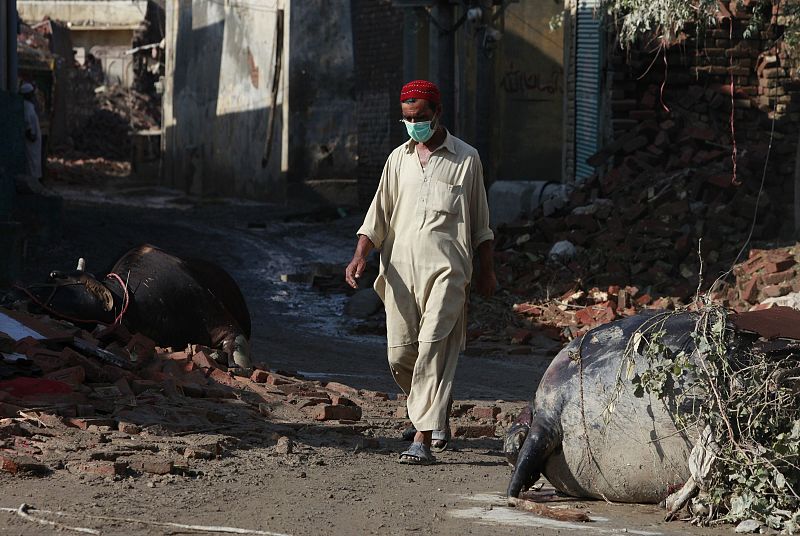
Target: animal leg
[[542, 439], [515, 437], [237, 349], [678, 500]]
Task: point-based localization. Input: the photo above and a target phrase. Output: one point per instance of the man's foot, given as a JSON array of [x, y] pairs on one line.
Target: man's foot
[[440, 439], [417, 454]]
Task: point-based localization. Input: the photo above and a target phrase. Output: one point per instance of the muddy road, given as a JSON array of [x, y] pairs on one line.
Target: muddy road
[[329, 484]]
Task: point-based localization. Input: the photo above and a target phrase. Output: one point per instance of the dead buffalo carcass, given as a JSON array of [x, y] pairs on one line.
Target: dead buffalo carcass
[[171, 300], [639, 454]]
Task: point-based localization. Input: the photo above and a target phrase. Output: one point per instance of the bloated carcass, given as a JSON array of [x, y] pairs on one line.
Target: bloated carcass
[[173, 301], [637, 453]]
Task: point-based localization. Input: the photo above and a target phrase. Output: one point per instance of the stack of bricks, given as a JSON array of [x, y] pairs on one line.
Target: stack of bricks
[[765, 274], [710, 75]]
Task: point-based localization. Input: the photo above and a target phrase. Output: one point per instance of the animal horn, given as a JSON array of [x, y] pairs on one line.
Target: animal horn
[[540, 442], [81, 265]]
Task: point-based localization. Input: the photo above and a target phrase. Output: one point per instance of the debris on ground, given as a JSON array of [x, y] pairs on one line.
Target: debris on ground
[[112, 404]]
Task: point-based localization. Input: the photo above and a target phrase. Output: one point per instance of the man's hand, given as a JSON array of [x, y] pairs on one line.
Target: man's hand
[[359, 262], [486, 283], [354, 270]]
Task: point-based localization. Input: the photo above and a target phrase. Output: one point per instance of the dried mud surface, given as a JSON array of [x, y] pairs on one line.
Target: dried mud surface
[[338, 478]]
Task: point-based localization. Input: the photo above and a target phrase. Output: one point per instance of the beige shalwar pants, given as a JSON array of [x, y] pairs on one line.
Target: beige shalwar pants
[[425, 371]]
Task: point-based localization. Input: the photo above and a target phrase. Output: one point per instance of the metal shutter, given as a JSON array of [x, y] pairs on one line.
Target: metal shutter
[[588, 51]]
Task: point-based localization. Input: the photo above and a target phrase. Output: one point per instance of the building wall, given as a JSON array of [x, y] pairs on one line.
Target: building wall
[[322, 88], [220, 66], [110, 13], [529, 92], [378, 51], [82, 38]]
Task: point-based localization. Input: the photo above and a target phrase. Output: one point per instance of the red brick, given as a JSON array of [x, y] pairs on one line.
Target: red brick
[[99, 468], [474, 430], [485, 412], [377, 395], [141, 348], [94, 372], [341, 388], [776, 278], [277, 379], [779, 266], [47, 360], [128, 428], [340, 400], [70, 375], [155, 467], [85, 423], [13, 463], [224, 378], [49, 420], [204, 361], [259, 376], [115, 332], [176, 356], [774, 291], [339, 413]]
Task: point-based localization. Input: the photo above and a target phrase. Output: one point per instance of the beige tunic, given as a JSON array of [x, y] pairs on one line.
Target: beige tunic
[[427, 222]]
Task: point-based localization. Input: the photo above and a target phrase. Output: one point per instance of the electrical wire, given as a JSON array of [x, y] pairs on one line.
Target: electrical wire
[[758, 199], [536, 30]]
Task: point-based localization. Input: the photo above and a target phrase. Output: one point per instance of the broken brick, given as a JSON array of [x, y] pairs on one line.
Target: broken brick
[[71, 375], [338, 413], [15, 464], [155, 467], [474, 430], [377, 395], [779, 266], [775, 291], [259, 376], [276, 379], [99, 468], [128, 428], [342, 389], [203, 360], [339, 400], [485, 412]]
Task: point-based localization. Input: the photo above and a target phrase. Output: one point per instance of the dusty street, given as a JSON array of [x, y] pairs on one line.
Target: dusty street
[[338, 479]]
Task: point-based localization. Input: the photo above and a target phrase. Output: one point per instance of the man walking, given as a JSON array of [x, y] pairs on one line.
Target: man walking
[[428, 216]]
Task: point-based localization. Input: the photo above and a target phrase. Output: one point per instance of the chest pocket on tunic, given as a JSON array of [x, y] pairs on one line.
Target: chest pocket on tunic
[[444, 197]]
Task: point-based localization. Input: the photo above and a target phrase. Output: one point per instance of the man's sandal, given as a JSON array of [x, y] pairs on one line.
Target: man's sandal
[[417, 454], [440, 439]]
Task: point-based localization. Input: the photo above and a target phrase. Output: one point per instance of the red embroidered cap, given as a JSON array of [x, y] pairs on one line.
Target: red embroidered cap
[[420, 89]]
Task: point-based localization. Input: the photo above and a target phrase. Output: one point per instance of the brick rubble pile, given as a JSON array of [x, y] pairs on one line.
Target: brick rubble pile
[[112, 404]]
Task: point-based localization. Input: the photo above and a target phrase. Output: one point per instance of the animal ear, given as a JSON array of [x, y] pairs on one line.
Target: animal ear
[[99, 291]]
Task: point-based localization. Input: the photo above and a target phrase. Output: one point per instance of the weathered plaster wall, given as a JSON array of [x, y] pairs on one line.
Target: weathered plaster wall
[[322, 103], [529, 94], [110, 13], [220, 63], [107, 38]]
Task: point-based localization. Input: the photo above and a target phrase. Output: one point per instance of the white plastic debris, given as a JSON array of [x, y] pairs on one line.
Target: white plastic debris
[[563, 251], [748, 526]]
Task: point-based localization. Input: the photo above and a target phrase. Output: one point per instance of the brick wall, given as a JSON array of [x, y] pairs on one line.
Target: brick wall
[[378, 51], [688, 124]]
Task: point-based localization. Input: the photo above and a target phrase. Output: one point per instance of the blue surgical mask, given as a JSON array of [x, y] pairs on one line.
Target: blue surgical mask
[[420, 131]]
